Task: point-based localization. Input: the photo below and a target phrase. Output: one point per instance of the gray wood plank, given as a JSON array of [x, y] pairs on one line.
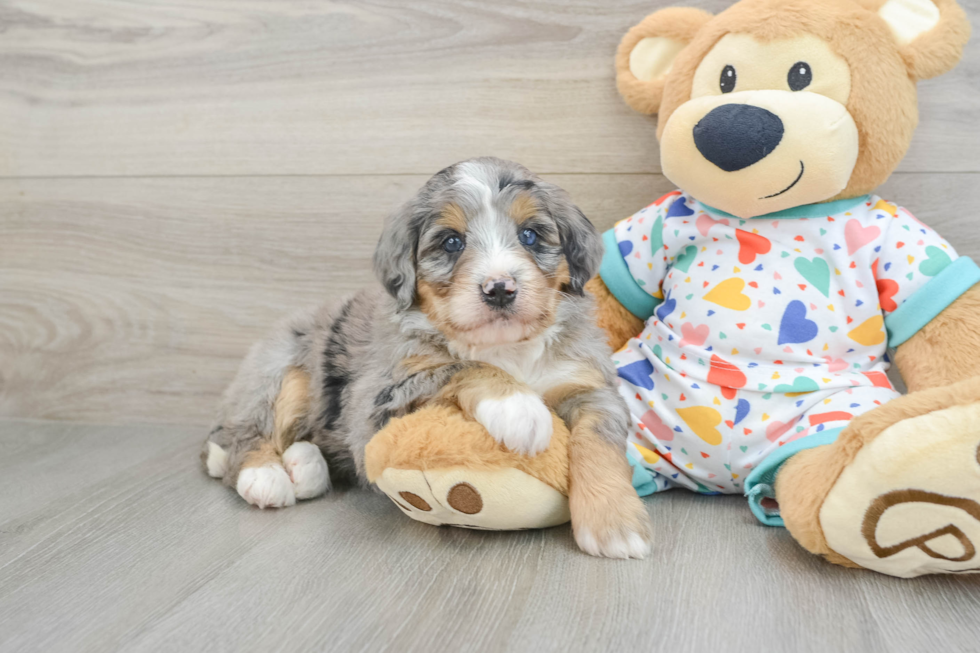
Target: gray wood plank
[[133, 300], [141, 551], [289, 87]]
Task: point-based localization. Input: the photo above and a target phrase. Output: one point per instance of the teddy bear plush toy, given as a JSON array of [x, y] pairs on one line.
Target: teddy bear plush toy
[[751, 311]]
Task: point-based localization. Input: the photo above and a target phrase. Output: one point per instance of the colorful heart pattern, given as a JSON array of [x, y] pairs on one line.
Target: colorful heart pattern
[[728, 294], [769, 330]]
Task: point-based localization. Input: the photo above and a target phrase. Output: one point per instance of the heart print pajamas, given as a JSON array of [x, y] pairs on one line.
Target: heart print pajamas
[[764, 337]]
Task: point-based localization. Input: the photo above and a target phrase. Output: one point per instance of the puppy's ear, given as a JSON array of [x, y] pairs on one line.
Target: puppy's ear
[[930, 34], [580, 242], [648, 50], [394, 257]]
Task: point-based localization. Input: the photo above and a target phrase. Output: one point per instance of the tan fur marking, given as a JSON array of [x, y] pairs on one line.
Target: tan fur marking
[[561, 277], [476, 383], [453, 217], [291, 407], [267, 453], [600, 490], [416, 364], [585, 379], [523, 208]]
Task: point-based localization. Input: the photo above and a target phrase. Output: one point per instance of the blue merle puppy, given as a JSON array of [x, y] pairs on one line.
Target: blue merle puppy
[[481, 304]]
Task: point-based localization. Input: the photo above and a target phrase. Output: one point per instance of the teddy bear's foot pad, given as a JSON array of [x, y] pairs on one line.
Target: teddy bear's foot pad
[[498, 499], [909, 503]]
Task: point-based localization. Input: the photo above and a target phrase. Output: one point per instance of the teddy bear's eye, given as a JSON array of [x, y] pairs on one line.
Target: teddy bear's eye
[[799, 76], [727, 82]]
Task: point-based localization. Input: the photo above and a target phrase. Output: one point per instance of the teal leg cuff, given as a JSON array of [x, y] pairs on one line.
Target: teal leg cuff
[[645, 482], [761, 483]]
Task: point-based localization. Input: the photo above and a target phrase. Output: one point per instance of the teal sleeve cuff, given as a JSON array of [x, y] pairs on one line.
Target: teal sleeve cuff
[[616, 275], [761, 482], [930, 300]]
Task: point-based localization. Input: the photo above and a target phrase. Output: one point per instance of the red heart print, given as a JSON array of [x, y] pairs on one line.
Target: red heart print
[[725, 374], [750, 245]]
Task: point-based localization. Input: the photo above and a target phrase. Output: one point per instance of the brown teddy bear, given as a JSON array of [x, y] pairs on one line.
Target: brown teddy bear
[[751, 310]]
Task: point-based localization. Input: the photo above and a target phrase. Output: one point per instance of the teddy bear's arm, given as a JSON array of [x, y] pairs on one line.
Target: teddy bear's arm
[[619, 324], [947, 349]]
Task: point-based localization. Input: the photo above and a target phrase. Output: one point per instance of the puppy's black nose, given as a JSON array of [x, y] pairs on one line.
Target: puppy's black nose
[[734, 136], [499, 293]]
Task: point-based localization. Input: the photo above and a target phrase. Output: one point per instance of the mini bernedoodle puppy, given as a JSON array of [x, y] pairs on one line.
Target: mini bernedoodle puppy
[[482, 305]]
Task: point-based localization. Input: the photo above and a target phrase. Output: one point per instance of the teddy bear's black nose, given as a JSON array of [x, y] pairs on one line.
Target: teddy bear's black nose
[[734, 136]]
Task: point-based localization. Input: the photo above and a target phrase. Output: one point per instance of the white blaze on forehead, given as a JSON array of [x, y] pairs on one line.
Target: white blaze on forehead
[[491, 234], [476, 183]]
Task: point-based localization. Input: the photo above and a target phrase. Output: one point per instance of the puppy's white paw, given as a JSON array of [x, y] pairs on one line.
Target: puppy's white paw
[[521, 422], [628, 545], [217, 461], [307, 469], [266, 487]]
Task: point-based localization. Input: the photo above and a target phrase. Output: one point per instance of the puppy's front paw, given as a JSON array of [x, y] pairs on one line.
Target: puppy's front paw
[[617, 528], [267, 486], [521, 422]]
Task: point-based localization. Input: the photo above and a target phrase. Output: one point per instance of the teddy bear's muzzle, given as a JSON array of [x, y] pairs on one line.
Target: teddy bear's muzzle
[[751, 153]]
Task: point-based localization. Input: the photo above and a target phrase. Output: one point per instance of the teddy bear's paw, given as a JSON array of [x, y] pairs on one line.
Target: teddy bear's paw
[[521, 422], [909, 503], [611, 530], [307, 470], [267, 486], [490, 499]]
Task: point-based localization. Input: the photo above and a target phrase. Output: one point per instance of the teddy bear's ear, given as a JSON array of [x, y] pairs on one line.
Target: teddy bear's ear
[[648, 50], [931, 34]]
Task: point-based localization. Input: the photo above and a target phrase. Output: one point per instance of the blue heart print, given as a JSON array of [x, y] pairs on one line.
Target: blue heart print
[[741, 410], [666, 308], [794, 327], [679, 209], [625, 247], [638, 373]]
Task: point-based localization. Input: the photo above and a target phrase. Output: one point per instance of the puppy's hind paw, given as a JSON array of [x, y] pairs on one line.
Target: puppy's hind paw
[[307, 469], [267, 486]]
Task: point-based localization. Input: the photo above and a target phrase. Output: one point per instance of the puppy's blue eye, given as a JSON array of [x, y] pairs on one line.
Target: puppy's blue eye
[[528, 237], [453, 244]]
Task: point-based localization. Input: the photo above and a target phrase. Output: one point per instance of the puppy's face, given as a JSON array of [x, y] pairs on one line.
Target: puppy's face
[[492, 250]]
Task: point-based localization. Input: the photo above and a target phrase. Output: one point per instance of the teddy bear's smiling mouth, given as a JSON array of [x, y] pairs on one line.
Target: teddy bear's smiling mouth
[[795, 181]]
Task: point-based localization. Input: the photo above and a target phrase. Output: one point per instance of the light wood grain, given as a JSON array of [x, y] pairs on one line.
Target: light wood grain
[[175, 177], [113, 539], [133, 300], [244, 87]]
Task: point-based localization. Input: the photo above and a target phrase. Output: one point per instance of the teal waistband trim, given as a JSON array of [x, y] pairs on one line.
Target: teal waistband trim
[[819, 210], [931, 299], [761, 483], [616, 275]]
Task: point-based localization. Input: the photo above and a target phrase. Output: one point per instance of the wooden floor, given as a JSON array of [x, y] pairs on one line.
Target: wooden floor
[[111, 539], [176, 176]]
